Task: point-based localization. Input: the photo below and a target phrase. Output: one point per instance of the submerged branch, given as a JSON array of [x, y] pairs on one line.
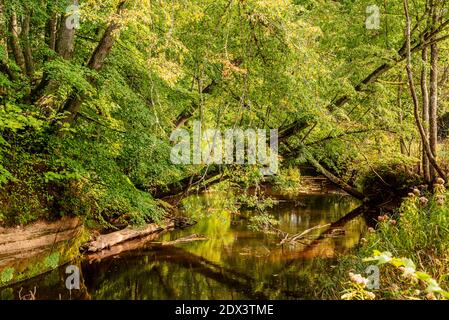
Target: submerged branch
[[297, 238]]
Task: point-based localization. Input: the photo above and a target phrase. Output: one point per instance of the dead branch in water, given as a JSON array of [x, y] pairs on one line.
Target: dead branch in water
[[30, 296], [300, 237], [188, 239]]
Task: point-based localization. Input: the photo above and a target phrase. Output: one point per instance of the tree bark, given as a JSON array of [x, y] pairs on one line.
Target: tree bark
[[433, 110], [104, 47], [334, 179], [15, 42], [129, 233], [96, 61], [425, 114], [51, 31], [65, 45], [425, 142], [28, 55], [402, 145]]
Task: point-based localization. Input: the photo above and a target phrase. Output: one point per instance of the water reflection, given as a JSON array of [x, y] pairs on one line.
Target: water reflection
[[235, 263]]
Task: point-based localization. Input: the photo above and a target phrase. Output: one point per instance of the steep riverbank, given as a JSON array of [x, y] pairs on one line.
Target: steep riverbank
[[40, 247], [37, 248]]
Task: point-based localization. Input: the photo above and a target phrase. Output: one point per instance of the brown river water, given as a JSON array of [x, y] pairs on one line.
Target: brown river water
[[235, 262]]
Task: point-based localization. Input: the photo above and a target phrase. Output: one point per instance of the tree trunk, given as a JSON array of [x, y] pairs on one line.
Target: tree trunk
[[28, 55], [51, 31], [73, 104], [425, 114], [129, 233], [104, 47], [15, 42], [402, 144], [334, 179], [65, 45], [422, 133], [433, 110]]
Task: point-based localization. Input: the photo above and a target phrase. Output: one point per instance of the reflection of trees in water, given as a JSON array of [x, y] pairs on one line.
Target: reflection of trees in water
[[313, 210], [234, 263], [185, 276], [173, 273], [49, 286]]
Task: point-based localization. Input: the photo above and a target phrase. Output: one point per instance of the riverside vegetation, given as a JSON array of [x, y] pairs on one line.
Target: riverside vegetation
[[90, 92]]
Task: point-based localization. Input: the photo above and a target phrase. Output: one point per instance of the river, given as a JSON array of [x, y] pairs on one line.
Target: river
[[236, 262]]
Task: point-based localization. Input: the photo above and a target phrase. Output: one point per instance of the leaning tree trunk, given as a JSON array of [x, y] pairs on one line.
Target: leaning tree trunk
[[15, 42], [425, 113], [433, 110], [73, 104], [334, 179]]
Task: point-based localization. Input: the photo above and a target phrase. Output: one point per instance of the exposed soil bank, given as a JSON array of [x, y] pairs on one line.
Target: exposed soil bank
[[28, 251], [25, 242]]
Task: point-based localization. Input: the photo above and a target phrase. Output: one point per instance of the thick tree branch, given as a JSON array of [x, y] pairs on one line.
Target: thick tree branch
[[334, 179]]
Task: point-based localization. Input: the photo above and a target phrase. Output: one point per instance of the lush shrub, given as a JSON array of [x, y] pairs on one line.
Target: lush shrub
[[419, 231], [401, 281]]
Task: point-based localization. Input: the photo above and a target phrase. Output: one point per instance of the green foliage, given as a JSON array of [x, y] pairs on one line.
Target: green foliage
[[255, 202], [419, 231], [263, 222], [52, 261], [421, 227], [22, 159], [247, 64], [6, 275], [288, 180], [392, 177]]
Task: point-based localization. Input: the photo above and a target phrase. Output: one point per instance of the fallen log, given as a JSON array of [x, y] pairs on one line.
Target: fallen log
[[122, 248], [129, 233], [138, 244]]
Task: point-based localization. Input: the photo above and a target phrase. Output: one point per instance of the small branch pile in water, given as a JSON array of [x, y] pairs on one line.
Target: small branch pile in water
[[300, 237]]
